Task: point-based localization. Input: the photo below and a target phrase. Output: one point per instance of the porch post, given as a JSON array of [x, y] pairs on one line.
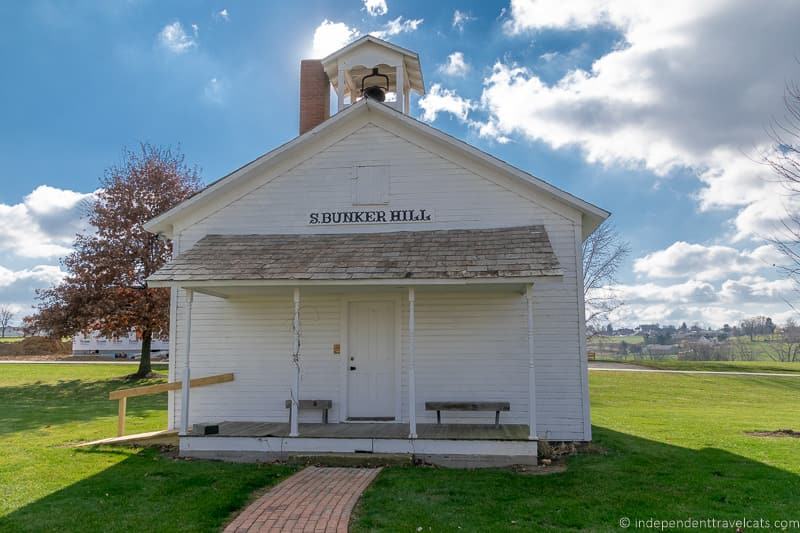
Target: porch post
[[531, 370], [412, 348], [294, 430], [400, 89], [340, 88], [185, 383]]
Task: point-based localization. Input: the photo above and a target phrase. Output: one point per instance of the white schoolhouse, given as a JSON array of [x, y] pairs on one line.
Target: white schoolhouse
[[376, 285]]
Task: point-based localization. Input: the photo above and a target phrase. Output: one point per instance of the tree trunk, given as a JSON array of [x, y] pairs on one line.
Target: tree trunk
[[144, 361]]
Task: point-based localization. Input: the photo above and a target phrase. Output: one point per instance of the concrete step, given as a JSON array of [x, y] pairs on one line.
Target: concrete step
[[350, 459]]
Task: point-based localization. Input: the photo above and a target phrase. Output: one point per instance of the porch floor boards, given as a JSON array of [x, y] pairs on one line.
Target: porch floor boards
[[366, 430]]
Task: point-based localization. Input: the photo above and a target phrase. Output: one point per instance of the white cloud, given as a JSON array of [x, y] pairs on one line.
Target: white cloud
[[701, 262], [455, 66], [756, 289], [692, 291], [440, 100], [460, 19], [48, 274], [576, 14], [376, 7], [703, 302], [19, 286], [686, 89], [709, 284], [223, 14], [175, 39], [44, 224], [397, 26], [331, 36], [712, 315]]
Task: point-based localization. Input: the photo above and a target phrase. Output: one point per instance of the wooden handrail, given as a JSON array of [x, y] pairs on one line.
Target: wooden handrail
[[175, 385], [123, 394]]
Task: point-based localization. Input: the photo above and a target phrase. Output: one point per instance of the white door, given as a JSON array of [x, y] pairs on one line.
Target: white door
[[370, 364]]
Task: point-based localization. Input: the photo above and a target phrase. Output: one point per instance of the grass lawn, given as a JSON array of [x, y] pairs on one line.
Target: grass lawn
[[600, 340], [718, 366], [11, 339], [675, 444], [676, 449], [47, 486]]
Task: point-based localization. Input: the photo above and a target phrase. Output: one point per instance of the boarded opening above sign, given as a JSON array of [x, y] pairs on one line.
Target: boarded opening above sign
[[370, 216]]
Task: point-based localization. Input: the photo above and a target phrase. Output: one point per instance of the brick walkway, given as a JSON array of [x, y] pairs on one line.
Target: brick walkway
[[315, 499]]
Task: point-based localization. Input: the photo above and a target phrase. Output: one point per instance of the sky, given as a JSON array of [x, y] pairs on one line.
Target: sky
[[655, 111]]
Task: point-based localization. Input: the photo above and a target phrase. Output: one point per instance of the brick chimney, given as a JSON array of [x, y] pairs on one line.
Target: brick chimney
[[315, 100]]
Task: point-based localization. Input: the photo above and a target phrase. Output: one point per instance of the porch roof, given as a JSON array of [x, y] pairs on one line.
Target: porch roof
[[500, 254]]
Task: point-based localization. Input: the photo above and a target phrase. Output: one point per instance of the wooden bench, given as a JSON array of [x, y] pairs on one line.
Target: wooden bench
[[468, 406], [311, 404]]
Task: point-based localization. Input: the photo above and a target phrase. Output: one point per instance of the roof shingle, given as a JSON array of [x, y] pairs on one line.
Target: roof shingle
[[518, 252]]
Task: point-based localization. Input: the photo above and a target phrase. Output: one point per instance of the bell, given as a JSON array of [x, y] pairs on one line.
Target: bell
[[376, 93]]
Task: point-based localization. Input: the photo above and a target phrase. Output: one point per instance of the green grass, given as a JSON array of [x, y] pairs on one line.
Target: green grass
[[11, 339], [761, 348], [599, 340], [718, 366], [676, 449], [47, 486]]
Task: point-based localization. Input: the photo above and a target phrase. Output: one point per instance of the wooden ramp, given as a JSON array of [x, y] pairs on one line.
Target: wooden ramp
[[151, 438]]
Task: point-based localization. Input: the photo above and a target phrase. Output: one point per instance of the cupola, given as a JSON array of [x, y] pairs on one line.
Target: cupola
[[373, 68]]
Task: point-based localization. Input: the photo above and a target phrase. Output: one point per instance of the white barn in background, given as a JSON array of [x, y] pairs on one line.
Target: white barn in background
[[384, 274], [130, 345]]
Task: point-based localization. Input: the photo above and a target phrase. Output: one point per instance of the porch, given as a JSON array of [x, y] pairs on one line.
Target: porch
[[461, 445], [371, 430], [360, 355]]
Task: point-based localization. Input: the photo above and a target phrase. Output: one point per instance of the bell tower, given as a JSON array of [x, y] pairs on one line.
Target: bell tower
[[375, 69]]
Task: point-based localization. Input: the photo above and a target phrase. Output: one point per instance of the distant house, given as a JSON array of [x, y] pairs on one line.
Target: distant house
[[130, 346], [646, 329]]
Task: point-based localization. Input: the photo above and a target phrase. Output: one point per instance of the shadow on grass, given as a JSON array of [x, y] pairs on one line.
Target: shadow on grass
[[147, 492], [35, 405], [638, 479]]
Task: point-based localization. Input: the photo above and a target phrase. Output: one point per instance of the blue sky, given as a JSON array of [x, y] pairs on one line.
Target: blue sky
[[652, 112]]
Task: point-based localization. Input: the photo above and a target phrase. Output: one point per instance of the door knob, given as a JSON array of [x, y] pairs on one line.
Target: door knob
[[352, 368]]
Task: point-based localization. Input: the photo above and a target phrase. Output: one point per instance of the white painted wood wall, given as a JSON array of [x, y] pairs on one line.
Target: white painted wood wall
[[470, 344]]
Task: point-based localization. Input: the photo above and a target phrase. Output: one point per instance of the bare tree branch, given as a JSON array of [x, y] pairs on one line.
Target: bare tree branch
[[6, 314], [603, 253], [784, 160]]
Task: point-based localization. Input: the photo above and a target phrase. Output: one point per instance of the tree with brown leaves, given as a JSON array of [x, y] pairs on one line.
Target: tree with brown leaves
[[105, 288]]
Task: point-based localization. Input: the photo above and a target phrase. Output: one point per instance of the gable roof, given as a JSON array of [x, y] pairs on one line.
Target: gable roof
[[593, 216]]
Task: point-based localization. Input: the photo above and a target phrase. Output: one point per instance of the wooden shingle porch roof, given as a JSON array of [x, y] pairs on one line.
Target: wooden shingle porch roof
[[460, 254]]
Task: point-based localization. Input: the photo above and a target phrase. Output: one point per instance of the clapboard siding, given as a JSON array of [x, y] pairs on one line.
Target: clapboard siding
[[470, 346], [481, 334]]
